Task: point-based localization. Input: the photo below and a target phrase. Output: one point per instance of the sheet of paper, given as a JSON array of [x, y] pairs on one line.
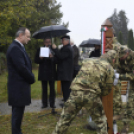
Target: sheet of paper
[[44, 52]]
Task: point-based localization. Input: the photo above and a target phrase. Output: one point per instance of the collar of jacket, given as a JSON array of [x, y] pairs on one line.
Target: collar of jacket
[[14, 41], [67, 45], [73, 45]]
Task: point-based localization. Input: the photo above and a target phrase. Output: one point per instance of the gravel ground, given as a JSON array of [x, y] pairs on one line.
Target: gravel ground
[[34, 107]]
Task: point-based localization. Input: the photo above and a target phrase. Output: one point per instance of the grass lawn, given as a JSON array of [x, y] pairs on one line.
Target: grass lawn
[[45, 125], [35, 88], [3, 87]]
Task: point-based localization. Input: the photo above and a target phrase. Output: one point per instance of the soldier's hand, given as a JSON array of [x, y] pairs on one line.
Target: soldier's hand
[[115, 71], [50, 55], [117, 75], [115, 82]]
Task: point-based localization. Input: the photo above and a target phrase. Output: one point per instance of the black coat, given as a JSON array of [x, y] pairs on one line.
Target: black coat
[[65, 65], [75, 55], [47, 67], [20, 75]]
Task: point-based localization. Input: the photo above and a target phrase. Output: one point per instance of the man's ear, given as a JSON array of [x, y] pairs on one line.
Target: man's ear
[[20, 35], [113, 60]]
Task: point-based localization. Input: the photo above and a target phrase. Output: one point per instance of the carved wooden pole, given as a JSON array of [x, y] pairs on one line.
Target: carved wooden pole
[[106, 38]]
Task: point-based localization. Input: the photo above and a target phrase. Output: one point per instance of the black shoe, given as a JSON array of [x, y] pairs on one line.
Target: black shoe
[[53, 111], [44, 106], [91, 126], [52, 106]]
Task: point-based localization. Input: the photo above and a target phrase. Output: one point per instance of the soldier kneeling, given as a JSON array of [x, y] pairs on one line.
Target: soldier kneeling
[[94, 80]]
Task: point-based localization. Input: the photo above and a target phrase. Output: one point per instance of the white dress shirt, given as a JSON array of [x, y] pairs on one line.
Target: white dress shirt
[[20, 43]]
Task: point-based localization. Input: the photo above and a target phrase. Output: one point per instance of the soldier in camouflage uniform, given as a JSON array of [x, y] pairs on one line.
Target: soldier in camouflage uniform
[[126, 70], [117, 103], [127, 73], [95, 79]]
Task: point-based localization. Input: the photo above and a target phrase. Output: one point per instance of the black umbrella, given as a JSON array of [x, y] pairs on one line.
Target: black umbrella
[[50, 31], [90, 43]]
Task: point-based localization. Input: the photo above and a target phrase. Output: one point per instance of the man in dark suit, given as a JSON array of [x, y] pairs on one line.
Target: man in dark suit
[[20, 77], [65, 65], [47, 74], [76, 67]]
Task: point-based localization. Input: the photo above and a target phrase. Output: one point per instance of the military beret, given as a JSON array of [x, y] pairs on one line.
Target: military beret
[[65, 36], [123, 51]]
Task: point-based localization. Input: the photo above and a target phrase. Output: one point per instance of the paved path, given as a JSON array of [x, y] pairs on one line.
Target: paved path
[[34, 107]]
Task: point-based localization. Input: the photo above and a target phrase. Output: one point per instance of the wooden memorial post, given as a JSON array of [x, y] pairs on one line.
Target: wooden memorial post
[[59, 87], [106, 39]]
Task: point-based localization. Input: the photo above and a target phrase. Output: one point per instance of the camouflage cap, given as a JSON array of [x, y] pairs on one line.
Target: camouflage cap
[[123, 51], [110, 55]]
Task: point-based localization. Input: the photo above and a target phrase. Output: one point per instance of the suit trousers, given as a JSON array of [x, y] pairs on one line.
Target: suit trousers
[[66, 89], [45, 92], [17, 115]]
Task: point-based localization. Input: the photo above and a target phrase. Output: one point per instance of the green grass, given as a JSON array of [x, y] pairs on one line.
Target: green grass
[[36, 88], [43, 125], [3, 87]]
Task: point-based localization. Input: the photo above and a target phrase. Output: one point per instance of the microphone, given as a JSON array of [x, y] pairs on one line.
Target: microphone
[[50, 48]]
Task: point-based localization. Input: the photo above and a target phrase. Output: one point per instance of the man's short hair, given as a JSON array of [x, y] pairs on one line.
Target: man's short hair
[[20, 30], [66, 37]]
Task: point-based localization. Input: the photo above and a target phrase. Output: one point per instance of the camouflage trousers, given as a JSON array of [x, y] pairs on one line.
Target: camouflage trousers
[[118, 107], [117, 102], [129, 112], [74, 104]]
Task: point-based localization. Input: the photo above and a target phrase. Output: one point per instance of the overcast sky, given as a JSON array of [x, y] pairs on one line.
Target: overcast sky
[[86, 16]]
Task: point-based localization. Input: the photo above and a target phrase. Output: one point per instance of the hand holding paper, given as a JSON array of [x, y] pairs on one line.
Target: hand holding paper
[[44, 52]]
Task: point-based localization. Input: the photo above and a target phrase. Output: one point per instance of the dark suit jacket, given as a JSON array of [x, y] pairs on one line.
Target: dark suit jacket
[[19, 75], [65, 65], [47, 67]]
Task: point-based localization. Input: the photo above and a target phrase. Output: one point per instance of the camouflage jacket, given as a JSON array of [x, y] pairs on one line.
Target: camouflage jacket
[[96, 75], [128, 64]]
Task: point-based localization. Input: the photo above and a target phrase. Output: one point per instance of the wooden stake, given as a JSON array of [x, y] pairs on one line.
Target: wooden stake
[[108, 100]]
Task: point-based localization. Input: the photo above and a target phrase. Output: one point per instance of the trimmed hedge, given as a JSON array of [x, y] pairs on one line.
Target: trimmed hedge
[[3, 64]]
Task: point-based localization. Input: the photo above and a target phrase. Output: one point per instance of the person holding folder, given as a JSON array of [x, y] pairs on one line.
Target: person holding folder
[[47, 72]]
